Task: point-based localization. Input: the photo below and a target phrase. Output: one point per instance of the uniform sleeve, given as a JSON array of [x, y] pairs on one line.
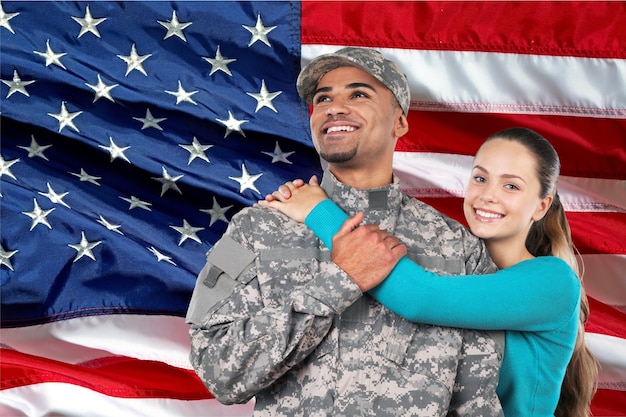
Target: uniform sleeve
[[240, 345], [534, 295]]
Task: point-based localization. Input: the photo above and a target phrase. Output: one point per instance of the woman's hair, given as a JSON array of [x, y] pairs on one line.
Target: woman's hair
[[551, 236]]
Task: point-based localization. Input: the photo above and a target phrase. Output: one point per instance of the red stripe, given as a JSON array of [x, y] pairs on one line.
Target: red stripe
[[604, 319], [588, 147], [115, 376], [609, 403], [549, 28], [593, 233]]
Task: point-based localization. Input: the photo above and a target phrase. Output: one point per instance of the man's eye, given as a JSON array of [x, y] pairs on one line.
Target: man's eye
[[360, 94], [321, 99]]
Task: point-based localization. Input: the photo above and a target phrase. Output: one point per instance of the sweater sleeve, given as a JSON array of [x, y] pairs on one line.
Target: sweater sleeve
[[534, 295]]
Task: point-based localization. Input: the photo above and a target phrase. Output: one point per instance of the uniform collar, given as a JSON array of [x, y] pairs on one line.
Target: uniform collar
[[352, 200]]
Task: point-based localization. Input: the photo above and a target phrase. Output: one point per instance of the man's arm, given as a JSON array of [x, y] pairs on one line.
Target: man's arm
[[247, 339]]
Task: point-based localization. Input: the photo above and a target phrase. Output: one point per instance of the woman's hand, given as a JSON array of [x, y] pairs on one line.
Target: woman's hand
[[295, 198]]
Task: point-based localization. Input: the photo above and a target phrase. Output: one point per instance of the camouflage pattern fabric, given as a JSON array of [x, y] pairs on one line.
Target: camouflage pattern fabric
[[292, 329]]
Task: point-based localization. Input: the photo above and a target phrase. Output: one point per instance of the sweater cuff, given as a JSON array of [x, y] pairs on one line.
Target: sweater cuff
[[325, 220]]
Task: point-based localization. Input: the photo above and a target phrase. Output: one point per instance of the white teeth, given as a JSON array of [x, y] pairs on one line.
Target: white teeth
[[340, 129], [488, 215]]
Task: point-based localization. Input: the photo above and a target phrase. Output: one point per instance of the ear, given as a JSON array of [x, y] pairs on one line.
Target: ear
[[401, 126], [543, 207]]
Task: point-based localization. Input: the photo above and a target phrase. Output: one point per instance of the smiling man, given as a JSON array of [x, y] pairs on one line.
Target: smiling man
[[274, 318]]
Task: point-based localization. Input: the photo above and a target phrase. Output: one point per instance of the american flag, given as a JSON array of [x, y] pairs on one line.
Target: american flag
[[133, 131]]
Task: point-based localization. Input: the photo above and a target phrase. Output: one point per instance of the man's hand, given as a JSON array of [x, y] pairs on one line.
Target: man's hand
[[366, 253], [295, 198]]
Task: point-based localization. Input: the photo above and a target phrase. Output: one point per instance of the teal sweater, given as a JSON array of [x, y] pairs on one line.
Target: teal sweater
[[536, 301]]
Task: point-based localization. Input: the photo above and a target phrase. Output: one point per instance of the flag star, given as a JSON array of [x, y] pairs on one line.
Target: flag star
[[84, 247], [187, 232], [55, 197], [219, 63], [232, 125], [264, 98], [5, 257], [84, 177], [116, 151], [161, 257], [16, 85], [259, 32], [112, 227], [150, 121], [278, 155], [34, 149], [217, 212], [65, 118], [182, 95], [134, 61], [168, 182], [51, 56], [4, 19], [5, 167], [174, 27], [88, 23], [196, 150], [38, 215], [246, 180], [102, 90], [135, 202]]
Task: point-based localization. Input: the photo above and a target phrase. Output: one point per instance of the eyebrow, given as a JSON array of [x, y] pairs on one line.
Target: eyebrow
[[503, 175], [351, 86]]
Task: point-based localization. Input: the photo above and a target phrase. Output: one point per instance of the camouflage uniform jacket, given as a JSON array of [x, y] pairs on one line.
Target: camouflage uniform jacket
[[273, 318]]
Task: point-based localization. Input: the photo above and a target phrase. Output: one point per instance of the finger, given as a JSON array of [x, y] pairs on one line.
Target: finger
[[350, 224], [313, 180], [298, 183], [285, 190]]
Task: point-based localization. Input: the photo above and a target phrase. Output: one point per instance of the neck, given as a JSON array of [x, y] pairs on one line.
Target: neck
[[362, 179], [505, 254]]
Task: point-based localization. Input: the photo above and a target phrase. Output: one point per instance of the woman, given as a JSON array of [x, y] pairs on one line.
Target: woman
[[512, 203]]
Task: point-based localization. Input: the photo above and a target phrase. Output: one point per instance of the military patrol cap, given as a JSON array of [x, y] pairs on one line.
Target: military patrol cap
[[369, 60]]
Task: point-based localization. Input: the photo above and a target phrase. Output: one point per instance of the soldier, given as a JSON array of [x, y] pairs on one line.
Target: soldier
[[274, 318]]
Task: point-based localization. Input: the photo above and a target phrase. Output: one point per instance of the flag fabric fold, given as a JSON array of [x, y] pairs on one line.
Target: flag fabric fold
[[133, 131]]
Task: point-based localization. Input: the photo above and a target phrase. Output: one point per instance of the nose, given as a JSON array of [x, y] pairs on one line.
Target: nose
[[489, 194], [338, 106]]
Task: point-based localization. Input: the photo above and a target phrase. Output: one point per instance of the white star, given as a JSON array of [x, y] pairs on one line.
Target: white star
[[259, 32], [4, 19], [196, 150], [246, 180], [65, 118], [83, 176], [5, 256], [5, 167], [16, 85], [134, 61], [160, 256], [216, 212], [88, 23], [279, 155], [219, 63], [182, 95], [34, 149], [187, 232], [84, 247], [150, 121], [38, 215], [135, 202], [102, 90], [232, 125], [54, 197], [174, 27], [51, 56], [116, 151], [113, 227], [168, 182], [264, 98]]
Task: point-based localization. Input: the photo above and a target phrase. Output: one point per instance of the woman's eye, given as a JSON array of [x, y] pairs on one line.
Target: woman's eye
[[478, 178], [511, 187]]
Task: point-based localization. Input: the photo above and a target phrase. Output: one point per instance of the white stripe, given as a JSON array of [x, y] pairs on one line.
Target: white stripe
[[604, 278], [610, 352], [159, 338], [485, 82], [58, 399], [424, 174]]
